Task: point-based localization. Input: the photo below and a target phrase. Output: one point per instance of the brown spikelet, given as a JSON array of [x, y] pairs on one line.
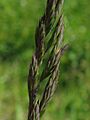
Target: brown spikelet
[[31, 87], [37, 112], [51, 84], [39, 39], [53, 11]]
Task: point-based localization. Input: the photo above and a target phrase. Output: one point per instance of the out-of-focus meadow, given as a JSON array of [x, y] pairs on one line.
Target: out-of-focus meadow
[[18, 20]]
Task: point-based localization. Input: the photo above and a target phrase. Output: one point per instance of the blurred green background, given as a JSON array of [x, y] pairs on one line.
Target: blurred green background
[[18, 20]]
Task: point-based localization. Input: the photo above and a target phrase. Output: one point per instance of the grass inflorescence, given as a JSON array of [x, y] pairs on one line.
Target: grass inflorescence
[[48, 39]]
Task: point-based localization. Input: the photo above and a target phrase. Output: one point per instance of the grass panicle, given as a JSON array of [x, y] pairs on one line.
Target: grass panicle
[[47, 49]]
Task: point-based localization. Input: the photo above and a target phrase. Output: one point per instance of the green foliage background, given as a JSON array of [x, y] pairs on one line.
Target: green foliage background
[[18, 20]]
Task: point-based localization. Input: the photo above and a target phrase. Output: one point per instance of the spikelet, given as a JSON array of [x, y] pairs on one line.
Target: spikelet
[[39, 39]]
